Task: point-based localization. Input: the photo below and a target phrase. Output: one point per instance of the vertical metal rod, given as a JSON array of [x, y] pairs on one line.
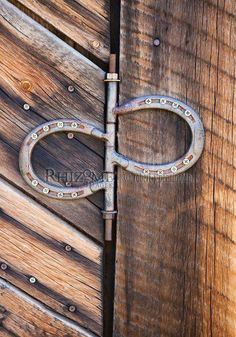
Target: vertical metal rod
[[109, 175]]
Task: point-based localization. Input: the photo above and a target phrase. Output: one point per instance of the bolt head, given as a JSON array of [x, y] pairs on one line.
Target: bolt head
[[26, 107], [175, 105], [46, 128], [72, 308], [156, 42], [34, 182], [70, 88], [32, 279], [46, 190], [163, 101], [148, 101], [187, 113], [186, 161], [3, 266], [68, 248], [74, 125], [60, 124], [174, 169]]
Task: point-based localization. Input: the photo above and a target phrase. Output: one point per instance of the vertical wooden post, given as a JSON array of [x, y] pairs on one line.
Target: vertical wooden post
[[175, 273]]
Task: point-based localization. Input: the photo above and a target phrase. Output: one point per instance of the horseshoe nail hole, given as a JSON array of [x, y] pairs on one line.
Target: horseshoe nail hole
[[154, 136]]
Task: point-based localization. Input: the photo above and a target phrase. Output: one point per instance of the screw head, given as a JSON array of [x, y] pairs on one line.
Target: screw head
[[32, 279], [148, 101], [156, 42], [68, 248], [160, 173], [60, 124], [46, 128], [173, 169], [26, 107], [146, 171], [74, 195], [34, 136], [186, 161], [74, 125], [46, 190], [70, 135], [72, 308], [163, 101], [70, 88], [175, 105], [60, 195], [34, 182], [3, 266], [187, 113]]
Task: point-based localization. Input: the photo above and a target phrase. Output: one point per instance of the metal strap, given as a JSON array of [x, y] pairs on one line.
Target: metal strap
[[112, 157]]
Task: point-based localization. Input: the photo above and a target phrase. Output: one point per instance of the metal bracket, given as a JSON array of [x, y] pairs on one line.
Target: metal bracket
[[112, 157]]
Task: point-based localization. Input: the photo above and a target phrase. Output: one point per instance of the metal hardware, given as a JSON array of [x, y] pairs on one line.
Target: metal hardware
[[157, 42], [112, 157], [68, 248], [72, 308], [26, 107], [70, 88], [32, 279], [3, 266]]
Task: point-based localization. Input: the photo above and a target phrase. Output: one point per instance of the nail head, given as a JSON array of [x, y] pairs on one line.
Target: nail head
[[3, 266], [32, 280], [156, 42], [72, 308], [71, 88], [26, 107]]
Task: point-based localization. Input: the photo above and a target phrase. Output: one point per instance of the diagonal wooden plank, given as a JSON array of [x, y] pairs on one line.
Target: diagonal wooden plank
[[85, 22], [31, 234], [175, 256], [36, 320], [36, 68]]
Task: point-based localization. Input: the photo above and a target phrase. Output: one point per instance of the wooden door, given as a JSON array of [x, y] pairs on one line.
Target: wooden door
[[53, 59], [175, 271], [175, 238]]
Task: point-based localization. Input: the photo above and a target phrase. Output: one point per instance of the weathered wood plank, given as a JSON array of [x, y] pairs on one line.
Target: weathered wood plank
[[84, 21], [80, 213], [36, 68], [34, 318], [33, 244], [176, 253]]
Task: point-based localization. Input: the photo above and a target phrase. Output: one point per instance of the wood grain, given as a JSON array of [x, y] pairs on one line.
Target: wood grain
[[36, 68], [86, 22], [34, 318], [176, 238], [33, 244]]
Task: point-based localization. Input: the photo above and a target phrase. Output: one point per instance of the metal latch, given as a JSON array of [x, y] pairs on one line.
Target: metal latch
[[112, 157]]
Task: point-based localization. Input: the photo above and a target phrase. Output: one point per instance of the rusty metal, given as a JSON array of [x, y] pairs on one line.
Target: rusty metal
[[112, 157]]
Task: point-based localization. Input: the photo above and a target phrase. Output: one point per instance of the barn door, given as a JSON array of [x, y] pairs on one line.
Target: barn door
[[175, 235], [51, 261]]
